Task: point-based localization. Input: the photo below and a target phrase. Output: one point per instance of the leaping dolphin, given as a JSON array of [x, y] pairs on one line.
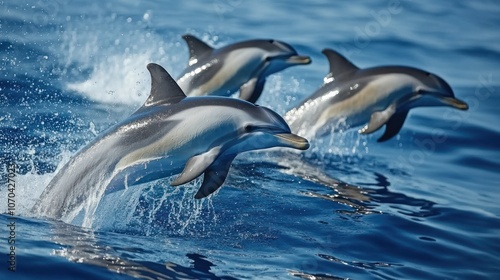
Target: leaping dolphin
[[243, 65], [168, 134], [376, 96]]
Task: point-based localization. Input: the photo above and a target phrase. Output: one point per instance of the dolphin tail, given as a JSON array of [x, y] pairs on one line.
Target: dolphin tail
[[393, 126], [215, 175]]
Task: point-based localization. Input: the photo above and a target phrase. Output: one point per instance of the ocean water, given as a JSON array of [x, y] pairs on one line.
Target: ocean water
[[424, 205]]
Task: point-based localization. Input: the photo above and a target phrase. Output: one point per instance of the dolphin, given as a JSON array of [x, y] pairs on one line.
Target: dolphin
[[243, 65], [168, 134], [372, 97]]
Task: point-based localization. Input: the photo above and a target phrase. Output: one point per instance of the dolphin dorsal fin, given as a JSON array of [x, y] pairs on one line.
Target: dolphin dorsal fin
[[196, 48], [338, 65], [164, 89]]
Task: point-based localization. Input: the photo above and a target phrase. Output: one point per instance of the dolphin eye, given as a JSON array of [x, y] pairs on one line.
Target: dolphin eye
[[252, 128], [271, 41], [249, 128]]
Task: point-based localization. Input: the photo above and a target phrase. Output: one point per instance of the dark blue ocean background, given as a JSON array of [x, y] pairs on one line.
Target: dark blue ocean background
[[424, 205]]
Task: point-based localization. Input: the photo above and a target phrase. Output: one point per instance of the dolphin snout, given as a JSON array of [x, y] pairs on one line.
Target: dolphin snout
[[292, 140], [298, 59], [455, 103]]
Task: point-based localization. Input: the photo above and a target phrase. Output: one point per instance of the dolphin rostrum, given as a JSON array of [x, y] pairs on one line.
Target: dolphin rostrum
[[376, 96], [168, 134], [243, 65]]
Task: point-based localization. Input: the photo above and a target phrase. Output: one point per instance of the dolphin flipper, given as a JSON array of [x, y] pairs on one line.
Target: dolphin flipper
[[196, 48], [251, 90], [378, 119], [196, 166], [338, 64], [215, 175], [393, 126]]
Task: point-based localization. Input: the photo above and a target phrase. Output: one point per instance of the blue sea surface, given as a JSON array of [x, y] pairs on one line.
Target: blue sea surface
[[424, 205]]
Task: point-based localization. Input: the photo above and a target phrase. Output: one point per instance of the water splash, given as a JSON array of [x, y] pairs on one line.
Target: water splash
[[112, 62], [117, 80], [29, 187], [157, 209], [278, 91]]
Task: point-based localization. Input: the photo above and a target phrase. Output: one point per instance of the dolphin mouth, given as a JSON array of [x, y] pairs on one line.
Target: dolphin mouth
[[293, 141], [455, 103], [298, 59]]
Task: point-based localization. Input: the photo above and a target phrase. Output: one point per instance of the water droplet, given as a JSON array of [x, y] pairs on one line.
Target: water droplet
[[92, 128]]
